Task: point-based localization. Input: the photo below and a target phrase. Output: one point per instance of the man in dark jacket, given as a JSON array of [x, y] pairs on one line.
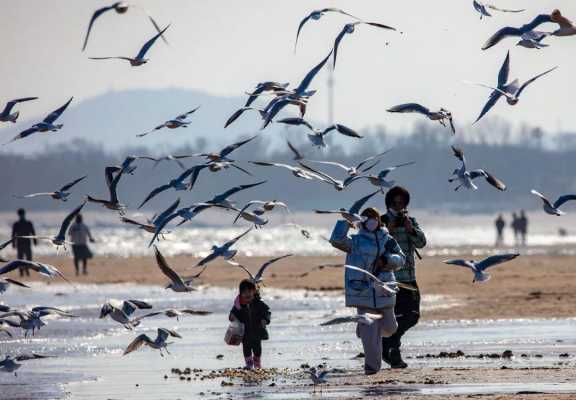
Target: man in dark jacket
[[255, 315], [23, 246], [410, 237]]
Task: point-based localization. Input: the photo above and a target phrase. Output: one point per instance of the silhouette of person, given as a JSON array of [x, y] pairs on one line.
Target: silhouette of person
[[79, 236], [523, 226], [514, 226], [23, 246], [500, 224]]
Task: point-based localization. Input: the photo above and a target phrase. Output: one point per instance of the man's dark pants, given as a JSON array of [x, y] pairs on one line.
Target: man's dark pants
[[24, 253], [407, 312]]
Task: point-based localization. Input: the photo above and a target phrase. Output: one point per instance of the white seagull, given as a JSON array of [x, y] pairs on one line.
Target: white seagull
[[121, 311], [442, 115], [296, 171], [47, 124], [139, 59], [178, 122], [178, 183], [509, 31], [318, 378], [7, 115], [43, 269], [32, 320], [478, 267], [465, 177], [177, 283], [380, 179], [257, 279], [160, 343], [357, 169], [511, 91], [554, 208], [225, 251], [364, 319], [391, 287], [317, 138], [315, 16], [60, 194], [352, 214]]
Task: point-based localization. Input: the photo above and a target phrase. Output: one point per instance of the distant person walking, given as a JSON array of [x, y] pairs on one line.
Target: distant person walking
[[523, 226], [500, 224], [23, 246], [79, 236], [514, 226]]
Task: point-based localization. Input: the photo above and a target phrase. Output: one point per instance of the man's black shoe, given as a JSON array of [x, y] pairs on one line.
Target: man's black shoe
[[386, 356], [396, 359]]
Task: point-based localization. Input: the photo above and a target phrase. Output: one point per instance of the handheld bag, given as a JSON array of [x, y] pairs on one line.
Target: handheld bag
[[234, 333]]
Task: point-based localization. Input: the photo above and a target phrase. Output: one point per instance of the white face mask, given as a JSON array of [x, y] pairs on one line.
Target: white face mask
[[371, 224]]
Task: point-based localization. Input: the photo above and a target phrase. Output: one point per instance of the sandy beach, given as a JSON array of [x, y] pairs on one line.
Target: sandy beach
[[528, 287]]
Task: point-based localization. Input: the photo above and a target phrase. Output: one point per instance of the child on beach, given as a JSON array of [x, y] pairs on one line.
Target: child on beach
[[250, 310]]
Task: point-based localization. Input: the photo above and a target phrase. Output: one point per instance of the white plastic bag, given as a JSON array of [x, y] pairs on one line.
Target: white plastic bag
[[234, 333]]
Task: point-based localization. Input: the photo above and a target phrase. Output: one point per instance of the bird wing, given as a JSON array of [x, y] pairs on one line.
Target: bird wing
[[183, 116], [155, 192], [239, 112], [544, 199], [458, 153], [511, 31], [268, 164], [340, 320], [6, 243], [361, 163], [53, 116], [311, 75], [96, 14], [410, 108], [195, 312], [167, 212], [137, 343], [344, 130], [337, 41], [297, 154], [231, 242], [237, 189], [12, 103], [195, 174], [490, 6], [495, 260], [525, 84], [31, 195], [166, 270], [492, 100], [492, 180], [33, 356], [563, 199], [504, 72], [252, 278], [462, 263], [164, 333], [386, 171], [129, 306], [302, 23], [264, 266], [240, 169], [229, 149], [69, 185], [242, 211], [68, 220], [370, 275], [17, 283], [149, 44], [13, 265], [337, 164], [25, 133], [319, 173], [296, 122], [131, 221], [355, 209]]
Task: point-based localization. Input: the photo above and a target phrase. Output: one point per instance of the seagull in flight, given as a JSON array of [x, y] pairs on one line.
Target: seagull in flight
[[43, 269], [10, 364], [352, 215], [112, 183], [364, 319], [60, 194], [380, 179], [60, 238], [176, 313], [337, 184], [47, 124], [6, 282], [478, 267], [121, 311], [317, 137], [296, 171], [554, 208], [257, 220], [391, 287], [7, 115], [509, 31], [222, 156], [443, 115], [533, 40], [265, 206], [170, 157], [160, 343], [178, 182], [257, 279], [511, 91], [32, 320], [275, 88], [177, 283], [483, 8], [315, 16], [178, 122], [139, 59], [152, 226], [120, 7], [465, 177], [225, 251], [357, 169], [349, 29]]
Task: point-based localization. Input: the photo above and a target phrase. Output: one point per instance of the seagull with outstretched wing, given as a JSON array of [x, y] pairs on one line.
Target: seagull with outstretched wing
[[60, 194], [178, 122], [257, 279], [315, 16], [478, 267], [349, 29], [6, 115], [554, 208], [443, 116]]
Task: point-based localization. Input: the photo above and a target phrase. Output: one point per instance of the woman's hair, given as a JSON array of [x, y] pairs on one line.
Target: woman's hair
[[246, 284], [397, 191], [371, 212]]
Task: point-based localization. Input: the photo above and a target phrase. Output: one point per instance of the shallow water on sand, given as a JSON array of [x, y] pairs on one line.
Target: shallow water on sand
[[90, 365]]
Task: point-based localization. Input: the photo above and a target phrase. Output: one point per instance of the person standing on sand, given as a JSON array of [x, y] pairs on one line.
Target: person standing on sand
[[523, 226], [375, 251], [500, 224], [79, 236], [405, 229], [255, 315], [23, 246]]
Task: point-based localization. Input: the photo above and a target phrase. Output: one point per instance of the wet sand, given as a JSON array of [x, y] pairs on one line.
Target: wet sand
[[528, 287]]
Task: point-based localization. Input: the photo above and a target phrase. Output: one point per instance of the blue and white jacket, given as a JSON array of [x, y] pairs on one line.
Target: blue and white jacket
[[363, 249]]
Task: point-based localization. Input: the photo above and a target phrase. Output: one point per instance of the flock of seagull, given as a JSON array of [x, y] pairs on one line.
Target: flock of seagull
[[255, 212]]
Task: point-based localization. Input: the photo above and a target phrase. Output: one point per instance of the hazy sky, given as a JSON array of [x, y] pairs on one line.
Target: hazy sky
[[225, 47]]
